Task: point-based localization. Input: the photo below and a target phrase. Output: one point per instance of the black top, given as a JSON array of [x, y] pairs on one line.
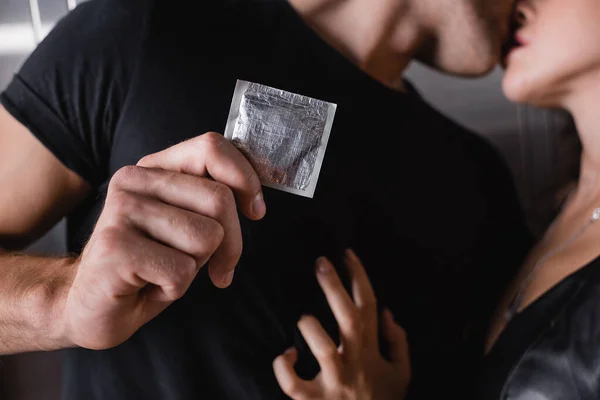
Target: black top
[[551, 350], [429, 206]]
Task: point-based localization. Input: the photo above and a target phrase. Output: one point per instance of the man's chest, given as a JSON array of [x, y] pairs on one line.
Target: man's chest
[[411, 214], [405, 212]]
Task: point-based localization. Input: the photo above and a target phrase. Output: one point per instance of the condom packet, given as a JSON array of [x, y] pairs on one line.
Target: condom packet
[[284, 135]]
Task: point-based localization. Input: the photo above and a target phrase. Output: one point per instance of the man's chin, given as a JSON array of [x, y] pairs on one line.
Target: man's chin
[[465, 66], [476, 70]]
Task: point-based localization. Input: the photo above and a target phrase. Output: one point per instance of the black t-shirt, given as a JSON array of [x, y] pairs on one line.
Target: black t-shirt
[[429, 207]]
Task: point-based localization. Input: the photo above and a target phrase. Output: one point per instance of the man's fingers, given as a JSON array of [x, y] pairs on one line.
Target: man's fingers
[[323, 348], [345, 311], [364, 297], [288, 380], [397, 341], [199, 195], [139, 261], [213, 155], [190, 233]]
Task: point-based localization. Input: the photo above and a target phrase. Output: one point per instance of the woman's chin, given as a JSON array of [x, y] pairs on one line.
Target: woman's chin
[[515, 90], [521, 88], [535, 89], [525, 92]]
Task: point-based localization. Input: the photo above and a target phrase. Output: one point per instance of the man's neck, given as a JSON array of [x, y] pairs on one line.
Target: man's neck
[[380, 37]]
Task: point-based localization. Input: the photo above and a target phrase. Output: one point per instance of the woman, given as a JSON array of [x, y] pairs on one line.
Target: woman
[[544, 341]]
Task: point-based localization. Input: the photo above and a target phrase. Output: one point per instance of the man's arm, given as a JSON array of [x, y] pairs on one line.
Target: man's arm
[[33, 291], [162, 221], [36, 192]]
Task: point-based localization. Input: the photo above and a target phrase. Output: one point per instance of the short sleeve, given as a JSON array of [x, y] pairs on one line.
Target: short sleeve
[[71, 90]]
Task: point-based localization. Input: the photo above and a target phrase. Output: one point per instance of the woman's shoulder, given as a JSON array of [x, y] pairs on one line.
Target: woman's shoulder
[[564, 360]]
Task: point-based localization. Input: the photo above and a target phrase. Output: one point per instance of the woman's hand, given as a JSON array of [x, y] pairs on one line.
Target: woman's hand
[[356, 370]]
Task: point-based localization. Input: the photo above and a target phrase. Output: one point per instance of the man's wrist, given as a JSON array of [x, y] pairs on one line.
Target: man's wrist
[[55, 296]]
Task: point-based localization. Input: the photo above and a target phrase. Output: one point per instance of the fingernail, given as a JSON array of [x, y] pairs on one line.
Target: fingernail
[[389, 314], [289, 351], [323, 265], [291, 354], [228, 278], [259, 208], [351, 254], [304, 317]]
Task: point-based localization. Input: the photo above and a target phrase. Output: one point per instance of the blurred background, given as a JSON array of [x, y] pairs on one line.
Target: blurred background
[[539, 146]]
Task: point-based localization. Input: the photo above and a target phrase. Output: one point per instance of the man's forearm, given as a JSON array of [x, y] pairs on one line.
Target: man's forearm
[[33, 292]]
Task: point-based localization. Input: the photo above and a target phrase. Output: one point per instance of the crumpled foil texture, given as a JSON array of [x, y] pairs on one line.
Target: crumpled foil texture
[[282, 134]]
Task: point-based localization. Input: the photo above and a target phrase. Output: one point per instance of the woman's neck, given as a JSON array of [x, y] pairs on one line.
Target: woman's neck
[[584, 105], [380, 37]]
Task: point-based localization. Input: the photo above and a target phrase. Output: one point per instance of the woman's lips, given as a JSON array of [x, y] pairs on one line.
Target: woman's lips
[[518, 41], [521, 39]]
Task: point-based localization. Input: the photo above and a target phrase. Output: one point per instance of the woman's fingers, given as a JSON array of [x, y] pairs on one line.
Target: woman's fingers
[[323, 348], [364, 297], [290, 383], [398, 343], [343, 308]]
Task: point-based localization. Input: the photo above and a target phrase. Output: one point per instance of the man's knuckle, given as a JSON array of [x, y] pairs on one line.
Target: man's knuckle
[[223, 199], [198, 233], [176, 290], [124, 175], [191, 267], [186, 273], [216, 234], [177, 279], [158, 263], [204, 236], [124, 203], [212, 140]]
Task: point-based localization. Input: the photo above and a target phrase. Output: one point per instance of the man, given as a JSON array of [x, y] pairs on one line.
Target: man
[[94, 127]]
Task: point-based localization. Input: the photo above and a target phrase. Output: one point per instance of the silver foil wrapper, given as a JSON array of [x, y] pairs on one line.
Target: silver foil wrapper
[[284, 135]]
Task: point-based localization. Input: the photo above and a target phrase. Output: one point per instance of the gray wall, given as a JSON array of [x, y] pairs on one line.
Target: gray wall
[[530, 140]]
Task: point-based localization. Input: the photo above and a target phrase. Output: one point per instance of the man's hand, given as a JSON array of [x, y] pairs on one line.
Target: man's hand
[[356, 370], [163, 220]]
